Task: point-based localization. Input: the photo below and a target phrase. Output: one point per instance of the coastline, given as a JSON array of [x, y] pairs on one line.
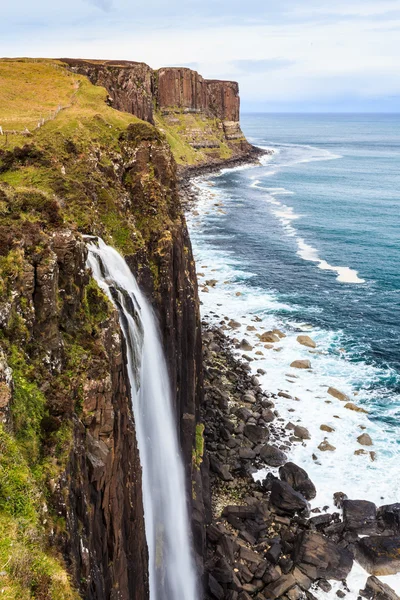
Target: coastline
[[233, 346]]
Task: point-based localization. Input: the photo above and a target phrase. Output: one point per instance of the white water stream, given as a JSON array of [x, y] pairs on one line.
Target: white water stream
[[171, 566]]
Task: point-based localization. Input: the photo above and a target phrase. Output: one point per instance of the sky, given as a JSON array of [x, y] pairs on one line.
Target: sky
[[287, 55]]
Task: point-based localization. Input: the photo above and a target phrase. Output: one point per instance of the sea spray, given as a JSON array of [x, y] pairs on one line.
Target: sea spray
[[171, 566]]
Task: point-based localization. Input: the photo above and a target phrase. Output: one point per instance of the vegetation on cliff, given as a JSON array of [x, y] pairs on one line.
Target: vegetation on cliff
[[69, 165]]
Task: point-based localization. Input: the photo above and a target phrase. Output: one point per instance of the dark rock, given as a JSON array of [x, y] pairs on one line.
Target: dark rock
[[221, 470], [298, 479], [284, 497], [217, 591], [272, 456], [274, 553], [319, 557], [324, 585], [242, 512], [255, 433], [340, 594], [246, 453], [279, 587], [359, 516], [222, 571], [379, 555], [321, 521], [376, 590], [338, 499], [389, 518]]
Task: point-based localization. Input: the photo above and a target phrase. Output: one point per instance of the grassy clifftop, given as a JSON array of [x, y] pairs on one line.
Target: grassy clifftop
[[68, 163]]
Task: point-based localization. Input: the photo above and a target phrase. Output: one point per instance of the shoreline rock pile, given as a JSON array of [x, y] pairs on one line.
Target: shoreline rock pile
[[263, 539]]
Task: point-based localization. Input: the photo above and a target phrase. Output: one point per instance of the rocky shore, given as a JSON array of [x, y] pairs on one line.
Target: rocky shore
[[263, 538]]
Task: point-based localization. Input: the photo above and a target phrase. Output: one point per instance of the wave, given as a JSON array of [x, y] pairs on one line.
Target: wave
[[307, 252]]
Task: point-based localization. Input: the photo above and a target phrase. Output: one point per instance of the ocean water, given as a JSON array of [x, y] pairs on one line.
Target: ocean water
[[309, 242]]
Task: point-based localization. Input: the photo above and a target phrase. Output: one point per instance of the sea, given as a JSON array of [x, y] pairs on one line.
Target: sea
[[308, 242]]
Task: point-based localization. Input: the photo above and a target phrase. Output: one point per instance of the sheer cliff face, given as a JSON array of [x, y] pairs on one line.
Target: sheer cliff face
[[129, 84], [200, 117], [101, 172]]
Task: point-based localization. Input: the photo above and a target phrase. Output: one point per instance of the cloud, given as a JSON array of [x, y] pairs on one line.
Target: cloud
[[105, 5], [261, 65]]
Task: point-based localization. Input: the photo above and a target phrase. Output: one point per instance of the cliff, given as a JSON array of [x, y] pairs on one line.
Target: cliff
[[199, 117], [70, 476]]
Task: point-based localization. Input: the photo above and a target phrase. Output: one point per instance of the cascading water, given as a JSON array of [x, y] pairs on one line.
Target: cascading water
[[171, 568]]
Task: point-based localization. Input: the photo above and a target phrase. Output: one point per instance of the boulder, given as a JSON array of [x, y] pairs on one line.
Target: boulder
[[327, 428], [359, 516], [389, 518], [376, 590], [245, 345], [321, 558], [279, 587], [379, 555], [298, 479], [365, 440], [284, 497], [272, 456], [325, 446], [337, 394], [279, 333], [221, 470], [269, 338], [255, 433], [305, 340], [301, 432], [351, 406], [301, 364], [216, 590]]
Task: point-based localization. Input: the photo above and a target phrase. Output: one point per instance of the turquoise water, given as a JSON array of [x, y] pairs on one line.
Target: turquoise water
[[340, 192], [309, 242]]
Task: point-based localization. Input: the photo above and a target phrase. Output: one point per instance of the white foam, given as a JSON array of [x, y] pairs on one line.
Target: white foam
[[341, 470]]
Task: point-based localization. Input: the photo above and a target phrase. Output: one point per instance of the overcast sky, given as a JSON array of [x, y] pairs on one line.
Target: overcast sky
[[288, 55]]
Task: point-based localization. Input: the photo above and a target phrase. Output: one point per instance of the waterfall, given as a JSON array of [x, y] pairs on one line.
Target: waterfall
[[171, 567]]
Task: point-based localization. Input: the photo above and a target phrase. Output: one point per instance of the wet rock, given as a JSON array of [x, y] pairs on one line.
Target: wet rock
[[301, 432], [274, 553], [234, 324], [379, 555], [245, 345], [305, 340], [376, 590], [269, 337], [295, 593], [284, 497], [272, 456], [359, 516], [255, 433], [365, 439], [301, 364], [320, 558], [389, 518], [327, 428], [325, 446], [337, 394], [299, 480], [338, 499], [268, 415], [355, 408], [279, 587], [285, 395]]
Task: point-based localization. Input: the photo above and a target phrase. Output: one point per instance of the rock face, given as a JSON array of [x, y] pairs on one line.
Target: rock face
[[136, 88], [129, 84], [359, 516]]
